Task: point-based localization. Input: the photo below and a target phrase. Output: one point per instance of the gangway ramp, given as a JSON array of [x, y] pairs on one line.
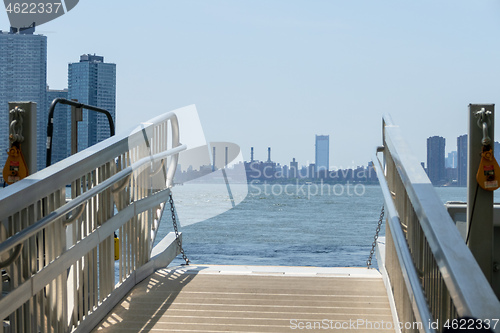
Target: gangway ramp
[[254, 299]]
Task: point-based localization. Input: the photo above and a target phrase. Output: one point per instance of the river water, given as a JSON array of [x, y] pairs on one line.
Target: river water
[[300, 225]]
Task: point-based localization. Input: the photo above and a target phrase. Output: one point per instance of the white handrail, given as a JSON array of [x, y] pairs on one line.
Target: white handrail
[[413, 286], [64, 172], [432, 228], [53, 216]]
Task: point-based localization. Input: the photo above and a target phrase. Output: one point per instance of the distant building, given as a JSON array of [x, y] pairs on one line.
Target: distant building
[[462, 160], [92, 81], [278, 171], [262, 171], [322, 156], [451, 160], [286, 171], [294, 169], [311, 171], [23, 78], [435, 159], [371, 172], [268, 167], [62, 127], [451, 175], [303, 172]]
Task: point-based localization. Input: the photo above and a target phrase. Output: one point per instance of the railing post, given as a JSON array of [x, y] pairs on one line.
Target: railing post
[[479, 201], [76, 116]]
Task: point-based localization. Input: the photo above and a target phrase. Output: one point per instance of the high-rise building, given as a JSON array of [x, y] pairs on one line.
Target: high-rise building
[[435, 159], [286, 170], [61, 137], [92, 81], [451, 160], [322, 155], [23, 78], [311, 171], [294, 168], [462, 160]]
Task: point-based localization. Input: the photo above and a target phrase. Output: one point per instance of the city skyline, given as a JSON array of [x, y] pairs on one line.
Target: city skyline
[[442, 170], [289, 69], [440, 162]]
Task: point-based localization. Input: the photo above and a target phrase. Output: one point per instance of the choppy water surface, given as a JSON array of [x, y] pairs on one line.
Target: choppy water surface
[[282, 227]]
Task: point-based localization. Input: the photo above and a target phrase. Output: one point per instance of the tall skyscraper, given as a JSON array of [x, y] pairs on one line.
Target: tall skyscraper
[[462, 160], [294, 168], [451, 160], [23, 77], [92, 81], [322, 155], [62, 127], [435, 159]]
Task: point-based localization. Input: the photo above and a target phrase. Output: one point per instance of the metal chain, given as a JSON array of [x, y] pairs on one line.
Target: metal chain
[[16, 125], [374, 244], [174, 222]]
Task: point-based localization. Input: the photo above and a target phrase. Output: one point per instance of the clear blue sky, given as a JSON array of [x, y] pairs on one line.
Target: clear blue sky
[[276, 72]]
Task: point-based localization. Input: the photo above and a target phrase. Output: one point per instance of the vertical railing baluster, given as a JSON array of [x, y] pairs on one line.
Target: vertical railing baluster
[[31, 218], [87, 285], [51, 243], [12, 271], [109, 214], [80, 224], [24, 266], [74, 267], [95, 255], [101, 247]]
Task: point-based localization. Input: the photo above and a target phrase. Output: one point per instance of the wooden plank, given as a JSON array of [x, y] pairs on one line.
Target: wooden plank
[[176, 300]]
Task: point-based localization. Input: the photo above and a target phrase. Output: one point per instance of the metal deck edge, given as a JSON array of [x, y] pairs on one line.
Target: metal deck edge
[[297, 271], [380, 254]]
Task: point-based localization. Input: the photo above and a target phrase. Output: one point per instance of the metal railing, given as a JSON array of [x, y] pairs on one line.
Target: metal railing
[[57, 256], [50, 122], [434, 276]]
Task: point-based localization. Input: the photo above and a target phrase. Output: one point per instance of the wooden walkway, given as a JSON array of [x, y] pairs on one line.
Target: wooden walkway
[[254, 299]]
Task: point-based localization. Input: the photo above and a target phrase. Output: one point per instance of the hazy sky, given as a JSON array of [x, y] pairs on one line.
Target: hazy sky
[[276, 72]]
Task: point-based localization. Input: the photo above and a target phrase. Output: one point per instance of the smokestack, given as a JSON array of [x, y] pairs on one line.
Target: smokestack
[[251, 154], [213, 156], [269, 154], [225, 165]]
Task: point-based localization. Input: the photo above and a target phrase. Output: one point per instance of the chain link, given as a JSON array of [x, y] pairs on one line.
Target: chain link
[[374, 244], [174, 222]]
